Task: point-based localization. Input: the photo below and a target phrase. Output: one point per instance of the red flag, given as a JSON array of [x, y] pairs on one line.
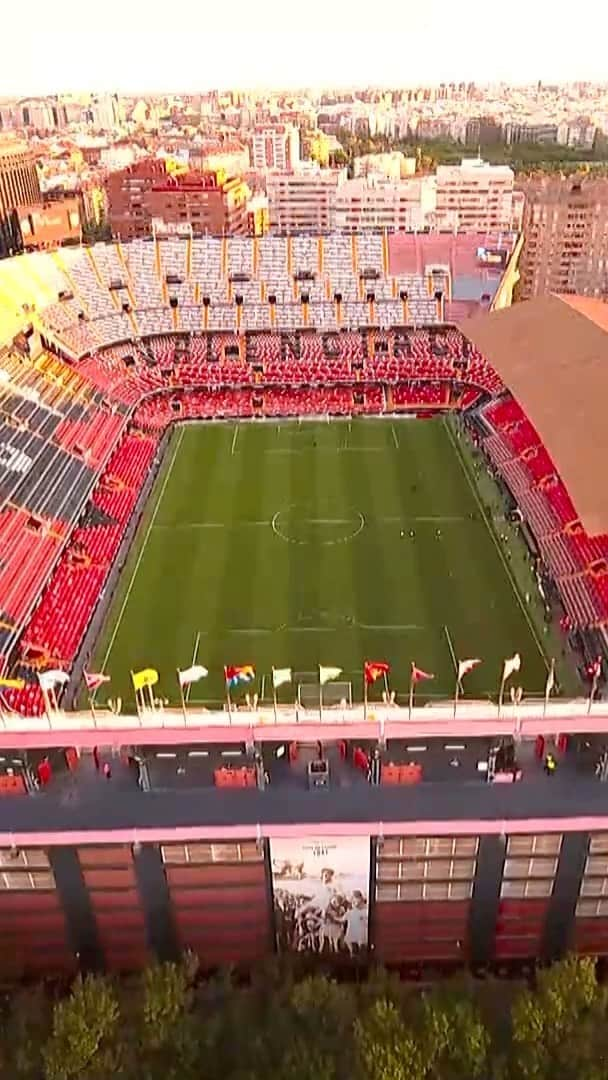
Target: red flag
[[375, 669], [594, 669], [94, 679], [418, 675]]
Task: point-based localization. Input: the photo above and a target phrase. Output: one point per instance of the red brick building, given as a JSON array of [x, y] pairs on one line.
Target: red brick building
[[143, 197]]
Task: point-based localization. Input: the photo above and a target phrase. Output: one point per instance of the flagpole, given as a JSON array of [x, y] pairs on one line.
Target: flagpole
[[229, 700], [456, 695], [501, 693], [548, 687], [411, 692], [592, 692], [137, 702], [181, 693], [274, 697], [47, 706], [364, 697], [92, 708], [386, 689]]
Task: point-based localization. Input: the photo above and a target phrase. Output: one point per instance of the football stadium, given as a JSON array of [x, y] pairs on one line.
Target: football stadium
[[303, 605]]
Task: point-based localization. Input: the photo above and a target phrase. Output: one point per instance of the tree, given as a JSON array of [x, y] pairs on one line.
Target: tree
[[386, 1047], [25, 1030], [84, 1042], [558, 1027]]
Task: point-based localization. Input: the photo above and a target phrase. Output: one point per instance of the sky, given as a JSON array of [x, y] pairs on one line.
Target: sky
[[133, 46]]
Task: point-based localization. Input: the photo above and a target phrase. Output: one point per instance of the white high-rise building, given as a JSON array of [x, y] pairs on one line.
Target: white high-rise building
[[303, 201], [376, 203], [276, 147], [477, 195]]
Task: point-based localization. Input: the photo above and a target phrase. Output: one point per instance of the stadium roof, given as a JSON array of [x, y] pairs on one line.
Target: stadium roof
[[552, 353]]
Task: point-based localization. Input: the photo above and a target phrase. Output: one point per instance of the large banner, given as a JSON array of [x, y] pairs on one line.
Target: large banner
[[321, 894]]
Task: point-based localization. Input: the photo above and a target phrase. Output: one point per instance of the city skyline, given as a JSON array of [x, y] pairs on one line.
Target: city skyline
[[411, 48]]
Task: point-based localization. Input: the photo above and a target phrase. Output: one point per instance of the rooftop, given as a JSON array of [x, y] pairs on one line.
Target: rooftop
[[452, 793], [552, 353]]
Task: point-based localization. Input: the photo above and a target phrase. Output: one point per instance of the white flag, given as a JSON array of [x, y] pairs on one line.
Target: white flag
[[49, 679], [192, 674], [511, 666], [280, 676], [326, 674], [464, 666]]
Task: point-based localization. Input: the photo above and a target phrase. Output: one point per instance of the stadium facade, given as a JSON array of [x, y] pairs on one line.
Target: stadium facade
[[462, 833]]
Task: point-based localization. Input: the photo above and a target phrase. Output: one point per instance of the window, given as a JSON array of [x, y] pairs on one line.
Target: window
[[436, 890], [19, 879], [178, 854], [591, 909], [16, 857], [525, 868], [544, 844], [513, 890]]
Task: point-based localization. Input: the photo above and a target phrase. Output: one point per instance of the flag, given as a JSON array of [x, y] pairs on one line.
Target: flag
[[49, 679], [511, 666], [280, 676], [550, 680], [464, 666], [239, 674], [375, 669], [594, 669], [12, 684], [192, 674], [418, 675], [326, 674], [94, 680], [145, 677]]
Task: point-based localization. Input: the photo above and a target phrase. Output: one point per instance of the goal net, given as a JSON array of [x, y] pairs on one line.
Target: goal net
[[311, 694]]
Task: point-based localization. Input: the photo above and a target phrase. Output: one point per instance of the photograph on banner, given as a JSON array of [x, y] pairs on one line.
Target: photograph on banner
[[321, 894]]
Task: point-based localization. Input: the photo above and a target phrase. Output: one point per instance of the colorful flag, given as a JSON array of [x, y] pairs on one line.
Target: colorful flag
[[145, 677], [280, 676], [12, 684], [50, 679], [192, 674], [94, 680], [418, 675], [511, 666], [375, 669], [239, 674], [550, 680], [326, 674], [464, 666]]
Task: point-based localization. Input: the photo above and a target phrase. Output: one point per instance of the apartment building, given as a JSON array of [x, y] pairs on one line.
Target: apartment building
[[479, 196], [374, 203], [394, 165], [303, 201], [566, 236], [145, 196], [276, 147], [19, 188]]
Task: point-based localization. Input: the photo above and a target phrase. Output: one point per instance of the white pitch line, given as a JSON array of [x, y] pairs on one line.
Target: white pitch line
[[497, 545], [234, 438], [395, 439], [142, 549]]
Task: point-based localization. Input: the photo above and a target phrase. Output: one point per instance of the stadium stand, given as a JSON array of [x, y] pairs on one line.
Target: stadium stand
[[137, 336]]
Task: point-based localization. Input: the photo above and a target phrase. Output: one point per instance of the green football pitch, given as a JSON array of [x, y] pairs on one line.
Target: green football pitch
[[298, 543]]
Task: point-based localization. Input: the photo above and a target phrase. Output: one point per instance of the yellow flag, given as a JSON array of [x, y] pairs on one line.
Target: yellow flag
[[12, 684], [145, 677]]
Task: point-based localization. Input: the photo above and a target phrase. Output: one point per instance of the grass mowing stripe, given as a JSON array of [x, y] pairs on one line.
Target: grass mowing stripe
[[167, 476], [490, 527]]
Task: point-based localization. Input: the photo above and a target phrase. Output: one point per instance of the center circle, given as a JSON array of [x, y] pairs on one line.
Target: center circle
[[298, 524]]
